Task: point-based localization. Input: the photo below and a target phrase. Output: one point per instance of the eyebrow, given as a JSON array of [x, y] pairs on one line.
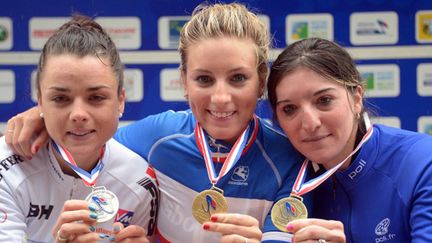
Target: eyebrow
[[314, 94], [91, 89]]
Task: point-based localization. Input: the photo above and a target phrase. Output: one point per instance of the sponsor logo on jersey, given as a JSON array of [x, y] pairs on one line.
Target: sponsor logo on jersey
[[39, 211], [382, 231], [357, 169], [7, 163], [150, 186], [240, 176], [3, 216], [124, 217]]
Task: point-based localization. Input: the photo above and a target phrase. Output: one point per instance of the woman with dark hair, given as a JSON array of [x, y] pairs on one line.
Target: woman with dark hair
[[370, 183]]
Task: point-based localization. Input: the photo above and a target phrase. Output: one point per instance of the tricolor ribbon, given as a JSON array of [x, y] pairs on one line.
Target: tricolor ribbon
[[88, 178], [301, 187], [233, 156]]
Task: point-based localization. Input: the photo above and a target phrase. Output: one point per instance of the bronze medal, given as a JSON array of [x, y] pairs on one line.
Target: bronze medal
[[288, 209], [208, 202]]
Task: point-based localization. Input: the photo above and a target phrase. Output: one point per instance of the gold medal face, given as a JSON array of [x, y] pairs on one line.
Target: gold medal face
[[286, 210], [208, 202]]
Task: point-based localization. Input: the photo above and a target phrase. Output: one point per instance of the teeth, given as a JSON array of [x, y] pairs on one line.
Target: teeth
[[219, 114]]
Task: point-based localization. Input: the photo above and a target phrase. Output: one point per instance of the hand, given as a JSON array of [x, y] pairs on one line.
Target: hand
[[132, 233], [22, 128], [307, 230], [76, 223], [239, 228]]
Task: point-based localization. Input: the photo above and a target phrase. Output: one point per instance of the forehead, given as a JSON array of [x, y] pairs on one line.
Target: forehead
[[88, 69], [222, 51]]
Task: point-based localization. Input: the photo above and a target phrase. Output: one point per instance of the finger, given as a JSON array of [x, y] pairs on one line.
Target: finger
[[9, 133], [235, 218], [252, 232], [298, 224], [16, 146], [131, 232], [91, 237], [236, 239], [70, 231], [40, 141], [75, 210], [316, 232]]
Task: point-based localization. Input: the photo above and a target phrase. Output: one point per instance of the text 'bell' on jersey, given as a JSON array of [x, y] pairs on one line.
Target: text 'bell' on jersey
[[386, 194], [262, 175], [32, 193]]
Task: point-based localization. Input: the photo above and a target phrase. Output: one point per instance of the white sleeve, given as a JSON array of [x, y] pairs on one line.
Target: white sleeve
[[145, 214], [12, 218]]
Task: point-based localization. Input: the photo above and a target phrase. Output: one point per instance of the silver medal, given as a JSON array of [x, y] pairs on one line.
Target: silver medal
[[105, 202]]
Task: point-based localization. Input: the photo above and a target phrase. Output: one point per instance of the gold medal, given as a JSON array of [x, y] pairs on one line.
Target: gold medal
[[288, 209], [208, 202]]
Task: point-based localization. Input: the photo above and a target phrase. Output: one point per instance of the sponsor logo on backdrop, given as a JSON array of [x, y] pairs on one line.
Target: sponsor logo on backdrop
[[7, 86], [125, 31], [6, 33], [134, 84], [169, 28], [381, 80], [424, 26], [424, 79], [301, 26], [392, 121], [171, 88], [41, 28], [369, 28], [424, 124]]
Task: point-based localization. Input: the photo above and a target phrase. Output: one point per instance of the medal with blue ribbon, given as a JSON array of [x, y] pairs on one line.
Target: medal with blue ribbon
[[104, 201], [292, 207], [212, 201]]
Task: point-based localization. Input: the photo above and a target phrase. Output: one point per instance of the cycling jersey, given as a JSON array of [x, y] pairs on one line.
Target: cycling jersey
[[32, 193]]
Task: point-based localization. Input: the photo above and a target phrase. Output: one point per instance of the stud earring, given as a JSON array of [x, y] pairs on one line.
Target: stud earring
[[120, 115], [41, 115]]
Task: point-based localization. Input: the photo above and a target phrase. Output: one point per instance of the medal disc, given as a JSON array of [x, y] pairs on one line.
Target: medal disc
[[105, 202], [208, 202], [286, 210]]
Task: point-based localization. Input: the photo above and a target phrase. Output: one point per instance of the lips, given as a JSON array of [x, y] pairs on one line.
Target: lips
[[80, 133], [315, 138], [221, 114]]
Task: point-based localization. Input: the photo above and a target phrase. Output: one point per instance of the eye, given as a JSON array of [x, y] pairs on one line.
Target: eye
[[97, 98], [289, 109], [203, 79], [325, 100], [238, 78], [60, 99]]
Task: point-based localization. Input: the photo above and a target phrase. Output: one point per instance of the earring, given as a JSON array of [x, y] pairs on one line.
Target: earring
[[120, 115], [358, 116], [41, 115]]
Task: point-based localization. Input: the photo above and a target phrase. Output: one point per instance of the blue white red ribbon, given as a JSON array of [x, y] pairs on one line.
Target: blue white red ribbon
[[301, 187], [88, 178], [233, 156]]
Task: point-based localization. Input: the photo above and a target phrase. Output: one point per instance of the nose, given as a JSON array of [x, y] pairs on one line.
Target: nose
[[79, 112], [221, 93], [310, 120]]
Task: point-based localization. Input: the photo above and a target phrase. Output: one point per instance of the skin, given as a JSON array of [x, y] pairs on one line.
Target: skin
[[222, 84], [319, 117]]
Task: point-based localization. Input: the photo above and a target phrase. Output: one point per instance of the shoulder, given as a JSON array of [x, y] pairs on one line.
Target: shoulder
[[14, 169]]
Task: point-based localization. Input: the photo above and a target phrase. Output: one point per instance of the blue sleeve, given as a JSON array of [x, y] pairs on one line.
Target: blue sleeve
[[421, 201], [141, 135]]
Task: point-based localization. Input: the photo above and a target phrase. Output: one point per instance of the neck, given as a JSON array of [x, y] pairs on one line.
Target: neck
[[86, 163]]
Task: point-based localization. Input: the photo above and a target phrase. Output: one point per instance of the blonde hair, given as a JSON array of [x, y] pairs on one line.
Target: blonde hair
[[231, 20]]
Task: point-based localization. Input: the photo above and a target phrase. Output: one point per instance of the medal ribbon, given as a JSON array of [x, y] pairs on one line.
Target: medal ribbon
[[300, 187], [88, 178], [233, 156]]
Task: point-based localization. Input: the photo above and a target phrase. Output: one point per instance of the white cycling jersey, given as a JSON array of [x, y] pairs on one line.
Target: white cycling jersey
[[32, 193]]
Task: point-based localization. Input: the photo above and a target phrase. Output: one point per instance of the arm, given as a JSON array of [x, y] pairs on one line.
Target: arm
[[12, 218]]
